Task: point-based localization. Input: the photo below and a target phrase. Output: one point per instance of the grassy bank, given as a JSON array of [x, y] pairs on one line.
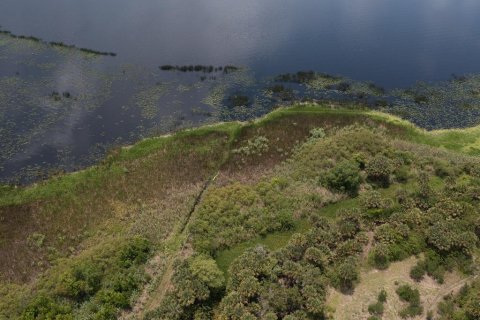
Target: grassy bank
[[267, 170]]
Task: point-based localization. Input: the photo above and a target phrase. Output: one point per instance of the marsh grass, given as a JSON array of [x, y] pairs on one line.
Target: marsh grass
[[68, 208]]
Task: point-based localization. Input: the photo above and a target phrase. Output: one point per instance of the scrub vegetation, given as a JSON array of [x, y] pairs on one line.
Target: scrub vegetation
[[261, 220]]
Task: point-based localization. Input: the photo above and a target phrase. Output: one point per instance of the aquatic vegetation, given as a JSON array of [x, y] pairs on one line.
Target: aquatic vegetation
[[450, 104], [56, 44], [299, 77], [281, 92], [199, 68], [239, 100], [85, 50], [148, 100]]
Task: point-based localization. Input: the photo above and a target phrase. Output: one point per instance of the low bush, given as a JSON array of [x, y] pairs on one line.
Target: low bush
[[376, 308], [344, 177], [417, 272], [412, 296], [379, 169]]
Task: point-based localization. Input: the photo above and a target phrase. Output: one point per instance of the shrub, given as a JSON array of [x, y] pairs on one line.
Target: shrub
[[316, 257], [472, 306], [43, 307], [379, 169], [348, 223], [402, 174], [379, 257], [206, 269], [317, 133], [417, 272], [374, 202], [407, 294], [376, 308], [345, 177], [412, 296], [382, 296], [411, 311], [81, 281], [135, 252], [113, 298], [346, 275]]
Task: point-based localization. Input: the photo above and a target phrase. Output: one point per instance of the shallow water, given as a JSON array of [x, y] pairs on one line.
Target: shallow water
[[118, 100]]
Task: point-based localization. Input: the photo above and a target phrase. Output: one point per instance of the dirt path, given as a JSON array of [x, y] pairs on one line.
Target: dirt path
[[369, 245], [152, 296], [451, 289]]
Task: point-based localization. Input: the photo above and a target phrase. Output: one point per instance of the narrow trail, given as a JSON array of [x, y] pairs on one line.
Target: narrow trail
[[453, 288], [152, 298]]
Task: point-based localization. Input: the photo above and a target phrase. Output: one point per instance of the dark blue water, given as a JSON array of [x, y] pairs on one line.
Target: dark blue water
[[118, 100], [391, 42]]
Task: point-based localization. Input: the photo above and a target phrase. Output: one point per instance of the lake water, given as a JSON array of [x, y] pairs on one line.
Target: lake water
[[118, 100]]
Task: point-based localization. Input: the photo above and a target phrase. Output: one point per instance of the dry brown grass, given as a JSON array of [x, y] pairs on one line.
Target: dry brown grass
[[355, 306]]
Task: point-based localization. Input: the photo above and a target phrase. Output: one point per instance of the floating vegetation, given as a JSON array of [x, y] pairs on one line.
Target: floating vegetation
[[85, 50], [148, 100], [200, 68], [57, 96], [281, 92], [239, 100], [450, 104], [57, 44], [305, 77]]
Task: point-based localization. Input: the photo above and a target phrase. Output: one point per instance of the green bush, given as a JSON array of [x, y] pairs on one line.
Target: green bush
[[136, 252], [407, 294], [379, 256], [44, 307], [412, 296], [344, 177], [376, 308], [417, 272], [379, 169], [81, 281], [346, 275], [402, 174], [382, 296], [206, 269], [411, 311]]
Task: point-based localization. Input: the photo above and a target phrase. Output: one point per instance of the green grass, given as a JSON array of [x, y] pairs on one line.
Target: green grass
[[465, 140], [272, 241]]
